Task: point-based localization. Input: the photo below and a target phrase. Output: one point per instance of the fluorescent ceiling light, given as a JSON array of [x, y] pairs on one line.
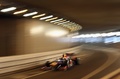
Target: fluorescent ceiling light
[[59, 21], [37, 16], [19, 12], [51, 19], [63, 22], [30, 14], [56, 20], [71, 24], [46, 17], [8, 9]]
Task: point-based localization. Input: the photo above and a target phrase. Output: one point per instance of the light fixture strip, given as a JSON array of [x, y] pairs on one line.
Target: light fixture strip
[[60, 21], [46, 17], [66, 22], [56, 20], [30, 14], [37, 16], [55, 23], [63, 23], [51, 19], [19, 12], [8, 9], [71, 24]]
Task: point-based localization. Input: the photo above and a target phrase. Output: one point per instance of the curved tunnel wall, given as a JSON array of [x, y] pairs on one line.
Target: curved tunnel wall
[[18, 36]]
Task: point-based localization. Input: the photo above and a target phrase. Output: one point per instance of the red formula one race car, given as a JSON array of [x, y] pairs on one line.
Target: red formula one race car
[[59, 64], [62, 63]]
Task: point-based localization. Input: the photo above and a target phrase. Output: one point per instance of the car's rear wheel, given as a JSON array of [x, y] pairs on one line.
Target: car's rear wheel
[[76, 61]]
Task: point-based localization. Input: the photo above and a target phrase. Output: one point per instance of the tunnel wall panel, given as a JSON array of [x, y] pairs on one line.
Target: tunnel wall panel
[[25, 36]]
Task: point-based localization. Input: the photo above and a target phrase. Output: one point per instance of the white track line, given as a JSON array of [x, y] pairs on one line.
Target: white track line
[[36, 74]]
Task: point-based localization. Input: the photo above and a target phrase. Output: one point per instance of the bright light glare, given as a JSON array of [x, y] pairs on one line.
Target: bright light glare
[[46, 17], [117, 33], [8, 9], [36, 30], [56, 33], [37, 16], [111, 34], [98, 35], [113, 39], [103, 34], [110, 37], [19, 12], [30, 14]]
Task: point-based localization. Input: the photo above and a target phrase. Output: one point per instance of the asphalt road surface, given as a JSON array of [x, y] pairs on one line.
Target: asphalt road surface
[[95, 64]]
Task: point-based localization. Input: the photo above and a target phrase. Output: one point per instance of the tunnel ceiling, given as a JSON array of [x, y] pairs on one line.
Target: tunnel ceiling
[[92, 15]]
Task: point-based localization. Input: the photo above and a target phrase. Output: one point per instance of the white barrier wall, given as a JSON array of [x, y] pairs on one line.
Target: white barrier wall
[[13, 63]]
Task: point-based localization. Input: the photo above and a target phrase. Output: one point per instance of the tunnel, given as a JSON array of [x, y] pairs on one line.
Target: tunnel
[[34, 32]]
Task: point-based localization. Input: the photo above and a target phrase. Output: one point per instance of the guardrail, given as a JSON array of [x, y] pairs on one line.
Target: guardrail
[[13, 63]]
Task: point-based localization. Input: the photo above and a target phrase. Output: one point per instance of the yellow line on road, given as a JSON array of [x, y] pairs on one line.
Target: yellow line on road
[[104, 66], [111, 74]]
